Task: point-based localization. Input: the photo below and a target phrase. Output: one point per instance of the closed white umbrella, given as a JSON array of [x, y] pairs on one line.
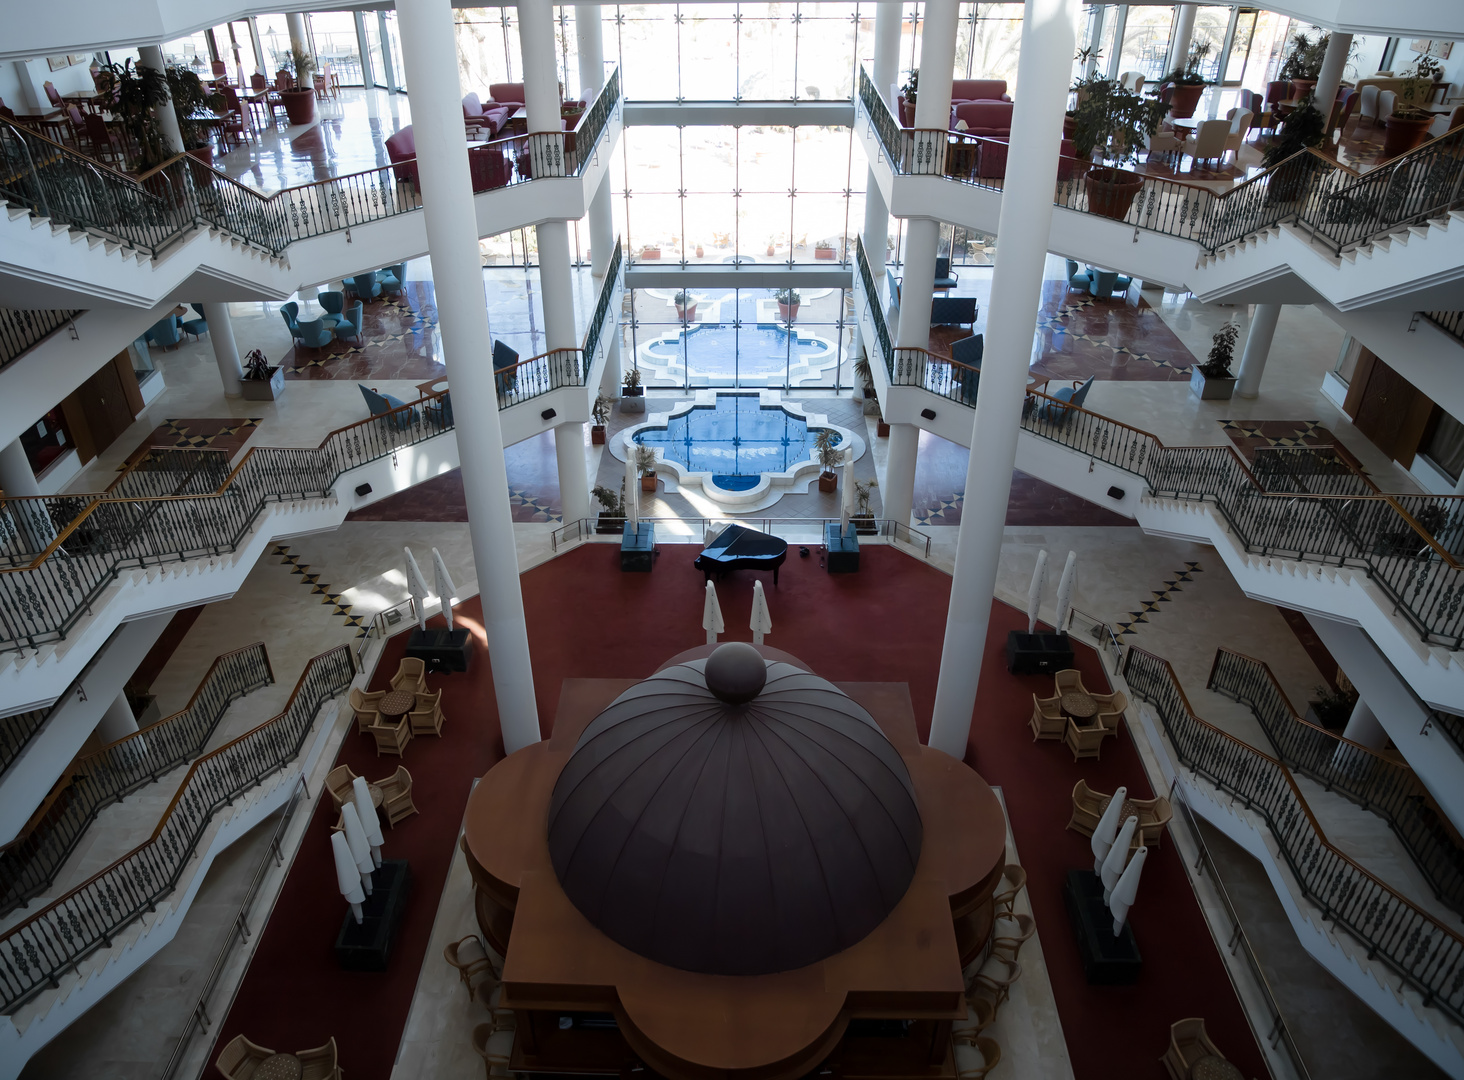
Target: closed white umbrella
[[1127, 890], [361, 796], [1034, 594], [762, 618], [348, 879], [1107, 829], [360, 848], [1065, 590], [712, 615], [446, 590], [632, 492], [1117, 856], [846, 504], [417, 586]]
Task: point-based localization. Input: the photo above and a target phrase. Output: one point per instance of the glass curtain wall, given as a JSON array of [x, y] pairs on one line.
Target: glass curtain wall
[[334, 33], [236, 49], [190, 52], [274, 39], [1146, 40]]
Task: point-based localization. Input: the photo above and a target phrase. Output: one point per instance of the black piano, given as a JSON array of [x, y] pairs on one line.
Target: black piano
[[736, 548]]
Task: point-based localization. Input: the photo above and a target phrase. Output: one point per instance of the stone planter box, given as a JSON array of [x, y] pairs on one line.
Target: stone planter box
[[1208, 389], [264, 389], [633, 399]]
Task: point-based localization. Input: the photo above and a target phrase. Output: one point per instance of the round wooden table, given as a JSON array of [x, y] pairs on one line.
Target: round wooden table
[[1078, 705], [1209, 1067], [279, 1067], [396, 704]]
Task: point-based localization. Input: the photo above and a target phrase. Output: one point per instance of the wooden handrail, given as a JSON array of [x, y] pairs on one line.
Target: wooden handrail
[[182, 787], [160, 167], [1300, 799]]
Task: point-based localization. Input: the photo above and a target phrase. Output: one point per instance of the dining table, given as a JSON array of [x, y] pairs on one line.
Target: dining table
[[48, 121], [86, 99]]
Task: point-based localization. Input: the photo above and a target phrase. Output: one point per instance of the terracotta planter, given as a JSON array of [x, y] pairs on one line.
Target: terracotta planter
[[1300, 88], [648, 482], [203, 153], [882, 429], [1111, 192], [686, 312], [651, 253], [700, 252], [299, 105], [1183, 100], [597, 434], [828, 481], [787, 312], [823, 253], [1403, 134], [771, 252]]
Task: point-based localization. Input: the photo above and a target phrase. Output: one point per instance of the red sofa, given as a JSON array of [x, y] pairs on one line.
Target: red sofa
[[402, 149], [991, 118], [489, 167], [978, 90], [476, 116], [507, 93]]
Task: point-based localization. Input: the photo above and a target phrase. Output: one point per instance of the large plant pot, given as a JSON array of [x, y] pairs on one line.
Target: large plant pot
[[299, 105], [686, 313], [1184, 99], [1111, 192], [632, 399], [1403, 134], [828, 481], [1300, 88], [203, 153], [264, 389], [648, 482], [1211, 389], [787, 312], [597, 434]]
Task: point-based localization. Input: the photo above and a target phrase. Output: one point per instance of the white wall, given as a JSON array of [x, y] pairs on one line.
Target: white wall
[[1453, 66], [34, 74]]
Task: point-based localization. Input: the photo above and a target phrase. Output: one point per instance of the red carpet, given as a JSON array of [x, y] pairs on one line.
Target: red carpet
[[588, 620]]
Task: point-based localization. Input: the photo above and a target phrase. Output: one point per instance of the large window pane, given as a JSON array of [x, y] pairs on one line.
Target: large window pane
[[709, 161], [708, 52], [647, 41], [763, 223], [656, 225], [1146, 41], [710, 227], [652, 159], [765, 159], [765, 56], [335, 44], [274, 38], [826, 51], [996, 40]]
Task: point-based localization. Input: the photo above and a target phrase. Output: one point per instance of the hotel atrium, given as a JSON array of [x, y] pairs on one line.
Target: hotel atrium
[[718, 541]]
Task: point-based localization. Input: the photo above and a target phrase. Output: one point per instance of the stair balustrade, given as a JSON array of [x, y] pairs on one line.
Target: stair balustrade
[[1425, 954], [29, 864], [1339, 208], [1450, 322], [37, 953], [20, 329], [1388, 788]]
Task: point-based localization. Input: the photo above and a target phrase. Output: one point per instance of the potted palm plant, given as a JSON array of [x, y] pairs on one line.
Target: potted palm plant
[[1113, 121], [863, 517], [190, 99], [611, 518], [788, 300], [645, 463], [1303, 65], [1187, 82], [1302, 128], [300, 99], [632, 393], [262, 381], [1212, 379], [600, 415], [1408, 123], [907, 98], [139, 90], [825, 249], [685, 306], [825, 448]]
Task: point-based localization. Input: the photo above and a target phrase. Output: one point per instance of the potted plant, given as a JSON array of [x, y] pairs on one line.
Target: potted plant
[[645, 462], [1332, 708], [632, 393], [262, 381], [600, 415], [1408, 123], [881, 425], [772, 246], [701, 252], [863, 381], [863, 517], [190, 99], [825, 249], [685, 306], [651, 251], [300, 99], [1212, 379], [1304, 127], [1303, 65], [611, 518], [788, 300], [907, 98], [825, 449], [1113, 119], [139, 91], [1188, 85]]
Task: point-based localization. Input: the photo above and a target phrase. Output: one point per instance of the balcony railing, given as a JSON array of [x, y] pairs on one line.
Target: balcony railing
[[19, 330], [153, 211], [36, 953], [1424, 953], [28, 864], [1340, 209], [1387, 788], [1450, 322]]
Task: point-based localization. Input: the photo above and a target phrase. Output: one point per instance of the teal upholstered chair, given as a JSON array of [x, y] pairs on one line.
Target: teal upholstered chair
[[439, 412], [393, 279], [165, 333], [1071, 395], [1080, 280], [504, 357], [199, 326], [291, 314], [968, 351], [332, 303], [365, 286], [1107, 282], [349, 323], [944, 279], [381, 404], [313, 334]]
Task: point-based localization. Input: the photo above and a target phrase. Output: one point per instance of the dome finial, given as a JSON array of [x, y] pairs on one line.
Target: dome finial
[[736, 673]]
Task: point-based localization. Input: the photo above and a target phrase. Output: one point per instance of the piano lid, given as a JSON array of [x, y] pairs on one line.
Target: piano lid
[[737, 542]]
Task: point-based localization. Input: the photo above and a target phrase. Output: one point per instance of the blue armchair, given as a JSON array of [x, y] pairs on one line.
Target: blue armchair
[[291, 314], [332, 303], [381, 404], [314, 334], [968, 351], [349, 324], [953, 310], [1081, 280], [440, 411], [199, 326], [504, 357], [1107, 282], [1072, 395], [165, 333], [944, 279], [365, 286], [393, 278]]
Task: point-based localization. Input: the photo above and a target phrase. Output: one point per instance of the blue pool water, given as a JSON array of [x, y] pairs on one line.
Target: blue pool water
[[736, 441], [751, 349]]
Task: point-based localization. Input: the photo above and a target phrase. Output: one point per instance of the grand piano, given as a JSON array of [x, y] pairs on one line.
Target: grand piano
[[736, 548]]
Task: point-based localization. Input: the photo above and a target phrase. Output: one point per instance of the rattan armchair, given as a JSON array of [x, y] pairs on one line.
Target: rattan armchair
[[392, 738], [1087, 808], [1114, 702], [364, 706], [1188, 1042], [1085, 741], [320, 1063], [240, 1058], [411, 675], [1154, 816], [338, 782], [1069, 680], [976, 1057], [1048, 721], [396, 796], [426, 717], [470, 957]]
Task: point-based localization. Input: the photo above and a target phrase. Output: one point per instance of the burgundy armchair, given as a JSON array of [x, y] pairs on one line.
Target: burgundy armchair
[[990, 118], [488, 166], [475, 115], [979, 90], [402, 149]]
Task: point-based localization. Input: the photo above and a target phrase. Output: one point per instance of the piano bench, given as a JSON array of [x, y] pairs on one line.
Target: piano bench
[[638, 547], [842, 549]]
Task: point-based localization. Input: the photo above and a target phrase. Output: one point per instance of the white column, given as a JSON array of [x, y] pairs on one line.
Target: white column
[[610, 380], [17, 479], [898, 491], [1049, 35], [429, 53], [299, 36], [363, 46], [602, 228], [392, 83], [1095, 37], [1257, 348], [589, 42], [117, 722], [541, 73], [1329, 79], [1184, 31], [151, 56], [28, 516], [1363, 727], [225, 348]]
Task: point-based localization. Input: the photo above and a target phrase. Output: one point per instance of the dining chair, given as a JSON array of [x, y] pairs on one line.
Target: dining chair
[[1069, 680], [364, 706], [411, 674], [426, 716], [1010, 932], [494, 1044], [975, 1057], [104, 141], [1013, 881], [339, 783], [994, 980], [469, 956], [1085, 741], [396, 796], [319, 1063], [241, 1058], [52, 94], [391, 738], [1208, 142], [1047, 721]]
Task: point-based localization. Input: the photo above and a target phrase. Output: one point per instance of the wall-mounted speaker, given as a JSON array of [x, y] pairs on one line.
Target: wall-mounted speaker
[[1115, 493], [363, 489], [548, 414], [928, 414]]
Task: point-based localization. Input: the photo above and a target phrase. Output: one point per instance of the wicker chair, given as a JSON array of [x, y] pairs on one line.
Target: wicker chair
[[1009, 933], [980, 1013], [1114, 702], [1047, 721], [976, 1057], [396, 796], [240, 1058], [1154, 816], [411, 675], [1187, 1044], [994, 980], [494, 1045], [320, 1063], [426, 717], [1087, 808], [392, 738], [1069, 680], [1013, 881], [338, 782], [364, 706], [470, 957], [1085, 741]]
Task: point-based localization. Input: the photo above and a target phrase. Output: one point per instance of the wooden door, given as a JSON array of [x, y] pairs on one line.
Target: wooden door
[[97, 412], [1392, 412]]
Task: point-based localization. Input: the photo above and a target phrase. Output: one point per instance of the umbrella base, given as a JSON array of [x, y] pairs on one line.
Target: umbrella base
[[366, 946], [442, 650], [1107, 960], [1037, 654]]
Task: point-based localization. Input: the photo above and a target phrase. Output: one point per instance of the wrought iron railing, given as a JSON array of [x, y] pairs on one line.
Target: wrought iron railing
[[36, 953], [152, 211], [28, 864], [20, 329], [1388, 788], [1339, 208], [601, 324], [1424, 953], [1450, 322]]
